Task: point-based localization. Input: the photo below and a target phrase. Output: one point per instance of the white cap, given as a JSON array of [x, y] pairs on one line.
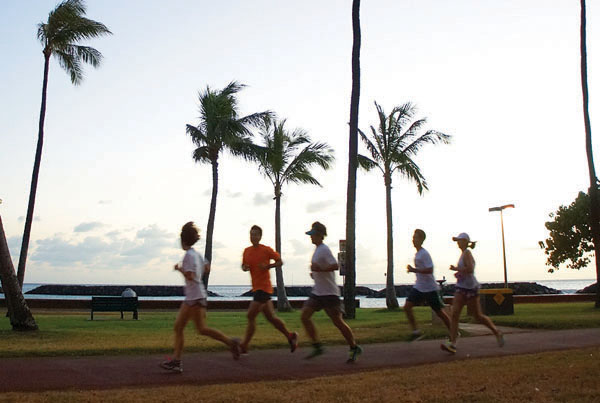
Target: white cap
[[462, 235]]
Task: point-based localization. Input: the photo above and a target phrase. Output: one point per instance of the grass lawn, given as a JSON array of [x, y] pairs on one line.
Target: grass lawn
[[564, 376], [63, 333]]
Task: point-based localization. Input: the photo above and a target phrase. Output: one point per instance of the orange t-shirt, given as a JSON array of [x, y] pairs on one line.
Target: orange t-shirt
[[253, 257]]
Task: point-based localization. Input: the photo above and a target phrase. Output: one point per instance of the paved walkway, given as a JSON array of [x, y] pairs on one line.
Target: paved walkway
[[55, 373]]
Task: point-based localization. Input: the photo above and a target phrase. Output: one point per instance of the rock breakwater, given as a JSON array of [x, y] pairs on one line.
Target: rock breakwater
[[111, 290]]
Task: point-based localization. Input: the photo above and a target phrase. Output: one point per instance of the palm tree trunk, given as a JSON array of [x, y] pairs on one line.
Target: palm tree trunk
[[594, 196], [34, 176], [350, 281], [20, 316], [390, 292], [283, 305], [211, 218]]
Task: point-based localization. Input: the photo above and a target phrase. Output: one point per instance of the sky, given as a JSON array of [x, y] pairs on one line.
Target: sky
[[117, 177]]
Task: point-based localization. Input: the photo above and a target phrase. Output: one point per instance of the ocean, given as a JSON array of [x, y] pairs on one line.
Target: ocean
[[233, 292]]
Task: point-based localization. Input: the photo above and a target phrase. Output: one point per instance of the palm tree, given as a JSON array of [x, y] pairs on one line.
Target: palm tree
[[60, 35], [18, 311], [391, 146], [221, 129], [288, 157], [350, 279], [594, 196]]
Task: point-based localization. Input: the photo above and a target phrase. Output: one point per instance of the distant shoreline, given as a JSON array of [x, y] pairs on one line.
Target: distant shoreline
[[519, 288]]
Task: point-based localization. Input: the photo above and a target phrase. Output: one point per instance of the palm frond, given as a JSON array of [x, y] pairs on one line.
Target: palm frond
[[65, 27], [71, 65], [430, 137], [303, 177], [366, 163], [202, 154], [410, 170], [396, 140], [374, 149]]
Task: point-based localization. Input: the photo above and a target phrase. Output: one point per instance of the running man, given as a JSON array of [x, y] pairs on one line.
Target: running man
[[257, 260], [425, 288], [325, 295]]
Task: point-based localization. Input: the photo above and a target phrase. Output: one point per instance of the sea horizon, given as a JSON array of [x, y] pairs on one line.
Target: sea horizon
[[228, 292]]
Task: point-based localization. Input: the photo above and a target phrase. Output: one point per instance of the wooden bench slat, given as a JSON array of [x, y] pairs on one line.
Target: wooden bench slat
[[114, 304]]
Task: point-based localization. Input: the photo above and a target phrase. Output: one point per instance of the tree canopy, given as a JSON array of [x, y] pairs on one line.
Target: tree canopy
[[570, 239]]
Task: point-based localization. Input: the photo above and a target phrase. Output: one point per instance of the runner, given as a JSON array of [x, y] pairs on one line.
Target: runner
[[325, 295], [257, 259], [467, 293], [194, 305], [425, 288]]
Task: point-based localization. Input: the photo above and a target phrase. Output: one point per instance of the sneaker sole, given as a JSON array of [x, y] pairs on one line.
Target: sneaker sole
[[353, 360], [447, 349], [294, 342], [421, 337], [175, 370], [235, 349]]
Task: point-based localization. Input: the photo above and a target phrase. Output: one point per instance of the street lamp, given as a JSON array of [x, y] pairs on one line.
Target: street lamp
[[502, 226]]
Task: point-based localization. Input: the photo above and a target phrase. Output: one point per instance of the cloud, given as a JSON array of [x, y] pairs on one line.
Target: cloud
[[261, 199], [35, 218], [105, 202], [14, 246], [102, 253], [233, 195], [218, 245], [88, 226], [319, 206], [301, 248]]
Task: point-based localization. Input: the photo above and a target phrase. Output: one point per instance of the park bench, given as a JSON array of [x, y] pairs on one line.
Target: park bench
[[115, 304]]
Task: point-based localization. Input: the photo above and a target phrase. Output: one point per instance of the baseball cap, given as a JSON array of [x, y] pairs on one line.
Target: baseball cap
[[317, 228], [462, 235]]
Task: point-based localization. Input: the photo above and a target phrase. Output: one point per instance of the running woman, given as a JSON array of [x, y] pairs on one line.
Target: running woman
[[425, 288], [467, 293], [325, 295], [257, 260], [194, 305]]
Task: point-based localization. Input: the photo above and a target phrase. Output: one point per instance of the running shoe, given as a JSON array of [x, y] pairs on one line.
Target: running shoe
[[243, 350], [354, 353], [417, 335], [172, 365], [500, 340], [449, 347], [316, 351], [235, 348], [293, 340]]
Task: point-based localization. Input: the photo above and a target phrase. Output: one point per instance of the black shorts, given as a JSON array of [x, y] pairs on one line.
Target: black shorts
[[261, 296], [330, 303], [432, 298]]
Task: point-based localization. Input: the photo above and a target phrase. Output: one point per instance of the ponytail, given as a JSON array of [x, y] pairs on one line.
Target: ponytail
[[472, 244]]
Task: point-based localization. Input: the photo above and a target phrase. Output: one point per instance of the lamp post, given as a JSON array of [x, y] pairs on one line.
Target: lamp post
[[500, 208]]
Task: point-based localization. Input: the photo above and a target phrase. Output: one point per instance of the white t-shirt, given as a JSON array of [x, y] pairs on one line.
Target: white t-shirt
[[324, 280], [424, 282], [194, 262]]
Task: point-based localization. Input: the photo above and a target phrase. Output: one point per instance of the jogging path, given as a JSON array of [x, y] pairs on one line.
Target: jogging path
[[55, 373]]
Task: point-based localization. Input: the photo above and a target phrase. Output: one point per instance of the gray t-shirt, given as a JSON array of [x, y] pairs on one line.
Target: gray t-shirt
[[194, 262], [424, 282]]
